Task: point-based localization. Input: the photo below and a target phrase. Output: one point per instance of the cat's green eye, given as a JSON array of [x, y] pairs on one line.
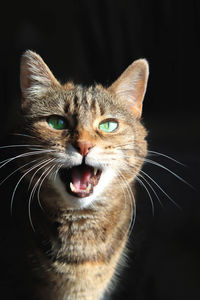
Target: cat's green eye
[[57, 122], [108, 126]]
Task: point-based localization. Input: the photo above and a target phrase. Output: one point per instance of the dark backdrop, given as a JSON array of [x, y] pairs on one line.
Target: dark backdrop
[[94, 40]]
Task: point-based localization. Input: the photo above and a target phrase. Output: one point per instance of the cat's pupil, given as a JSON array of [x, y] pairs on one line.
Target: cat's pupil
[[108, 126]]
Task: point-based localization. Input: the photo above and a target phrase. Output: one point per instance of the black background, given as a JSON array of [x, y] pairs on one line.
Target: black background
[[94, 41]]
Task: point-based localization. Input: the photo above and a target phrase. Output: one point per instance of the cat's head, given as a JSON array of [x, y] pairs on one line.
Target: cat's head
[[88, 141]]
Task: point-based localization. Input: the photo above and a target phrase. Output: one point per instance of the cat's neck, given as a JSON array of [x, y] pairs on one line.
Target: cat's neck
[[104, 228]]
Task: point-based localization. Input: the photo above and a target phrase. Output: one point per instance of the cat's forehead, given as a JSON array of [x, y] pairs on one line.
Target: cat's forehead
[[89, 100]]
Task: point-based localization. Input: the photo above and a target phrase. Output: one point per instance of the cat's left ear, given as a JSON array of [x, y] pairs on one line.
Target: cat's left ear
[[35, 76], [130, 87]]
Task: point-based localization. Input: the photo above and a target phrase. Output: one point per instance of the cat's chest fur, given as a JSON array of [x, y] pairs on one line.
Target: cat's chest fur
[[83, 248]]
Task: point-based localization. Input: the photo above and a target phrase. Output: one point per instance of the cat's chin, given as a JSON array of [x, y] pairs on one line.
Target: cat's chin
[[74, 202], [79, 181]]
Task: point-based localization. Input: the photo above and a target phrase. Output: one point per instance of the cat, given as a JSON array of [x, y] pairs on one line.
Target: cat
[[81, 151]]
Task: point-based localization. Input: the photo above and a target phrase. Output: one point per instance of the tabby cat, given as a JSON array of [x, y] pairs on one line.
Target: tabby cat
[[82, 150]]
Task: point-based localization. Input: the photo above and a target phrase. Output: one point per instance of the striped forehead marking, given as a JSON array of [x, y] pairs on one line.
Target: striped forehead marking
[[85, 99]]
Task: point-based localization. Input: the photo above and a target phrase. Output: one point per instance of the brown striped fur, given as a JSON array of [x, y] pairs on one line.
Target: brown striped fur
[[86, 240]]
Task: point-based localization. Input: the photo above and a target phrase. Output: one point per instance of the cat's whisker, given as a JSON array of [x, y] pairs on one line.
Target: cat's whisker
[[45, 163], [139, 175], [129, 191], [30, 162], [142, 183], [6, 161], [163, 167], [132, 199], [134, 218], [34, 189], [161, 189], [19, 145], [16, 186], [56, 171], [33, 148], [39, 187], [125, 196], [24, 135], [29, 137], [146, 189], [168, 170], [133, 209], [166, 156]]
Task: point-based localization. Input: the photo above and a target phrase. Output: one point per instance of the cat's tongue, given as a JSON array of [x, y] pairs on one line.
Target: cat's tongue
[[80, 177]]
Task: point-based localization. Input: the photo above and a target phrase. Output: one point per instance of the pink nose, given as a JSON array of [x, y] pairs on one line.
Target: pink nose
[[84, 147]]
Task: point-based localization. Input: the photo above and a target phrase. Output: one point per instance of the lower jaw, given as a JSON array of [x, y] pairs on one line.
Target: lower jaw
[[80, 194]]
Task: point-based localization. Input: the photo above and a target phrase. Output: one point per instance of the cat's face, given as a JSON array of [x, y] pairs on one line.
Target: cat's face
[[92, 139]]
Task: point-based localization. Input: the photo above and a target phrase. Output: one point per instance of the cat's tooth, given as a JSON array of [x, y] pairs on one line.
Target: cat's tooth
[[72, 187], [88, 187], [95, 171]]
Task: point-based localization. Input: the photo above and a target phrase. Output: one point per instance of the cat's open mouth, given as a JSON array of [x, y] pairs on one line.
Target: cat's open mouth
[[80, 180]]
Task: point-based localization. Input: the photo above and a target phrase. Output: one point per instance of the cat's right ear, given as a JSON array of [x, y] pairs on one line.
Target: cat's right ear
[[35, 76]]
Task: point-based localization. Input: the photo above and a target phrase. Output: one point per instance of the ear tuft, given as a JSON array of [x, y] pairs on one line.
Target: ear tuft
[[131, 85], [35, 76]]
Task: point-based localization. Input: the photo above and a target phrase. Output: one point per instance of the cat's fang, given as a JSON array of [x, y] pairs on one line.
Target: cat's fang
[[88, 188], [72, 187], [95, 171]]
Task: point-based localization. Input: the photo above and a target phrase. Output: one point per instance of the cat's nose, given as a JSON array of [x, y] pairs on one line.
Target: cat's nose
[[84, 147]]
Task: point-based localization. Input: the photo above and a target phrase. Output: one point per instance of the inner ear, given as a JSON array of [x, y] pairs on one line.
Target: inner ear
[[131, 85], [35, 76]]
